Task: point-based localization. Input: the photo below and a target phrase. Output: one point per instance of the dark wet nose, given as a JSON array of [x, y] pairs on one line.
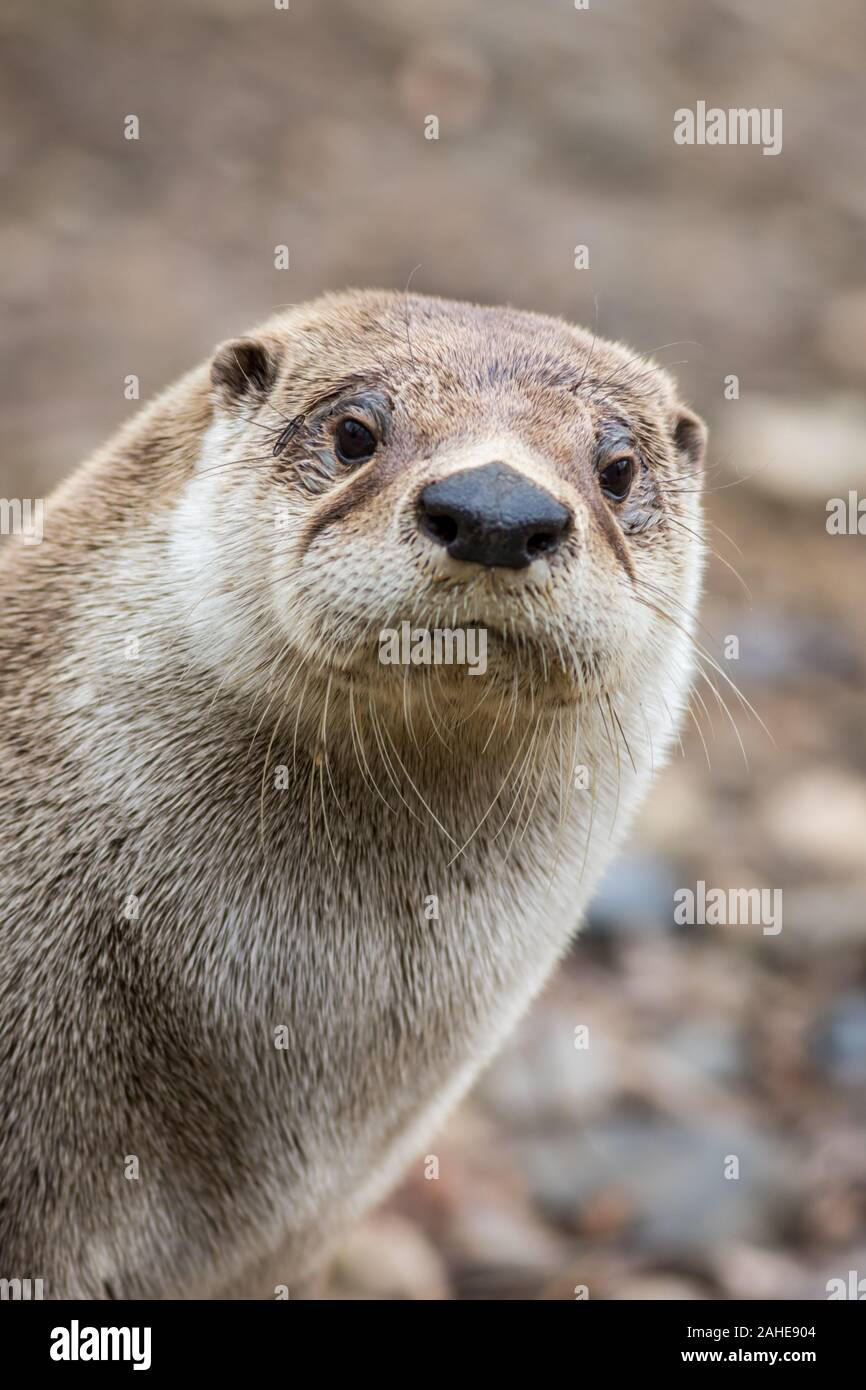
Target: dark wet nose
[[492, 516]]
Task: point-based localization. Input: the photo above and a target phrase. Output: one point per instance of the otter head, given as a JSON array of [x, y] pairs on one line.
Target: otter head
[[383, 464]]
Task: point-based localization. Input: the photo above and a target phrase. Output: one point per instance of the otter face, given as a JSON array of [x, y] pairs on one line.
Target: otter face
[[414, 460]]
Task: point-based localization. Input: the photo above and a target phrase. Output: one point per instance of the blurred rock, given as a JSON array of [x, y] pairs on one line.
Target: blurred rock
[[542, 1077], [836, 1215], [747, 1271], [707, 1048], [658, 1287], [841, 332], [671, 995], [635, 896], [592, 1275], [819, 918], [841, 1275], [778, 646], [447, 80], [607, 1214], [839, 1041], [388, 1258], [795, 450], [672, 1176], [677, 817], [510, 1236], [819, 816]]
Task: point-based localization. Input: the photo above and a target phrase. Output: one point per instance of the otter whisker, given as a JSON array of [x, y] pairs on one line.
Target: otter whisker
[[589, 355], [520, 781], [495, 723], [614, 748], [325, 747], [264, 777], [359, 749], [703, 704], [269, 703], [465, 846], [298, 721], [407, 712], [434, 723], [428, 808], [700, 733], [727, 712], [383, 754], [676, 522], [617, 721], [704, 656], [514, 694], [540, 770], [320, 758], [649, 737]]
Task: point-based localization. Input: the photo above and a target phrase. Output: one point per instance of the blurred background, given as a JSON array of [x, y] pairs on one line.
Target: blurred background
[[601, 1167]]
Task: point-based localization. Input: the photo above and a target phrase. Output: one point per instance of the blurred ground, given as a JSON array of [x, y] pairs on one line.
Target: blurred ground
[[601, 1167]]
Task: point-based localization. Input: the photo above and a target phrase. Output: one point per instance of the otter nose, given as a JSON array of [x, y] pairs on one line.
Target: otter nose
[[493, 516]]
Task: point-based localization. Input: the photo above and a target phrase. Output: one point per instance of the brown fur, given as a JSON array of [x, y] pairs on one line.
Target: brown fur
[[304, 906]]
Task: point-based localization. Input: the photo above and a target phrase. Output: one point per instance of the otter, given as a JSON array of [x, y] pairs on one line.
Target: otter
[[267, 902]]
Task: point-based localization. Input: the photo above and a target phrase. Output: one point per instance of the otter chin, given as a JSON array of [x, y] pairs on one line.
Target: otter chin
[[285, 855]]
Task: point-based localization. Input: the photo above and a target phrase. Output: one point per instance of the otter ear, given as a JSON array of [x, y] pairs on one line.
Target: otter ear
[[244, 367], [690, 435]]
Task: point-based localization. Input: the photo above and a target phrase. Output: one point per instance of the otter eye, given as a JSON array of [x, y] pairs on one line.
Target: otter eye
[[355, 443], [616, 478]]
